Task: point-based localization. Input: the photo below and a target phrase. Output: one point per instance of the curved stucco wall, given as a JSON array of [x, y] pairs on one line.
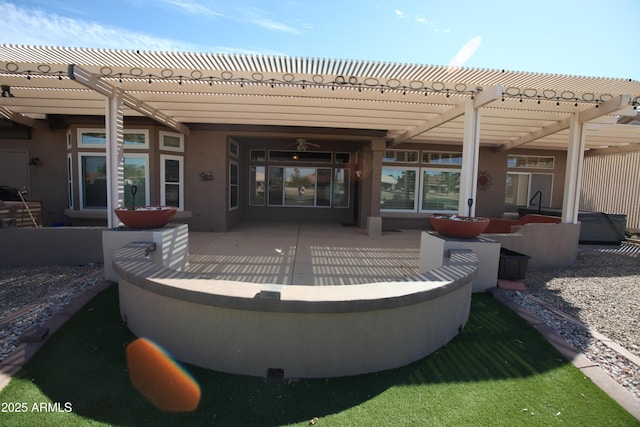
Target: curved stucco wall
[[305, 331]]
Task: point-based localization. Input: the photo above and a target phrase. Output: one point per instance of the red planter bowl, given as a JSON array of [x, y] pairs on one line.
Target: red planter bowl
[[146, 216], [463, 227]]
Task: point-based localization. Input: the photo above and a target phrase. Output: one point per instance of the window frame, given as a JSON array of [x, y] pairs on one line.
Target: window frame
[[421, 184], [81, 181], [234, 164], [147, 187], [163, 183], [144, 132], [416, 188], [162, 134]]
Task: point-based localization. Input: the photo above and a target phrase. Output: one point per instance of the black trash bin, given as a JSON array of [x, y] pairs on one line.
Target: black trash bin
[[512, 265]]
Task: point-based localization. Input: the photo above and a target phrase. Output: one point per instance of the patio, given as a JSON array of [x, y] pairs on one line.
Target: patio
[[301, 253]]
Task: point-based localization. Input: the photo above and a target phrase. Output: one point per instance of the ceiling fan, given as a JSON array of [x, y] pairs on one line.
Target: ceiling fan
[[303, 144]]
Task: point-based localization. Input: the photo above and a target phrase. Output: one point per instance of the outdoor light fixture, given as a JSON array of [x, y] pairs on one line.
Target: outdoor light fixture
[[6, 92], [356, 83]]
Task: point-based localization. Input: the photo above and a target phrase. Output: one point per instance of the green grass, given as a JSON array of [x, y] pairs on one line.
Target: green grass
[[497, 372]]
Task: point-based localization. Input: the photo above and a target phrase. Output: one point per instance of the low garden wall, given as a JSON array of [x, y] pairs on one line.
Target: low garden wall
[[295, 331], [51, 246]]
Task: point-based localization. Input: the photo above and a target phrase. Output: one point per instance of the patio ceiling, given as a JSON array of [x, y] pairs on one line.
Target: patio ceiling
[[530, 110]]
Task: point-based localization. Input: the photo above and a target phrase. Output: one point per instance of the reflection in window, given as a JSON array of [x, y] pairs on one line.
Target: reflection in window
[[233, 185], [171, 187], [341, 181], [275, 186], [256, 186], [135, 173], [398, 189], [94, 182], [69, 182], [300, 186], [171, 141], [516, 192], [132, 139], [300, 156], [442, 158], [440, 190], [323, 187]]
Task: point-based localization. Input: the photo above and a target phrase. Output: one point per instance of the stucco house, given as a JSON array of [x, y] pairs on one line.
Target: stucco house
[[233, 138]]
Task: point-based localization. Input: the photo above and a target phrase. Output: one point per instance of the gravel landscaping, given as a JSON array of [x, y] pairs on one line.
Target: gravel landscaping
[[595, 300]]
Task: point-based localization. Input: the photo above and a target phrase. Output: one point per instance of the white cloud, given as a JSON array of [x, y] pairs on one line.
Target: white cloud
[[273, 25], [36, 27], [464, 54], [190, 7]]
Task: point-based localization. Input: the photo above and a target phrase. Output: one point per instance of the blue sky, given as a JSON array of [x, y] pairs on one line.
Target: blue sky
[[576, 37]]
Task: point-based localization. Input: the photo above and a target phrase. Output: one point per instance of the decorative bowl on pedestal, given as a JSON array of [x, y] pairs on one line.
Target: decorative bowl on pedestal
[[463, 227], [146, 216]]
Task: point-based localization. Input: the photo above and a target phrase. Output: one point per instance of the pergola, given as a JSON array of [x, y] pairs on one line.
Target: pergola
[[406, 102]]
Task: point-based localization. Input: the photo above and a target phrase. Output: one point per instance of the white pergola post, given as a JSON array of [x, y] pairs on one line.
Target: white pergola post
[[115, 156], [573, 174], [470, 153]]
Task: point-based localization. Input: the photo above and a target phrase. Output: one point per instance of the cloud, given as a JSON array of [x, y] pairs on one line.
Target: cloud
[[190, 7], [273, 25], [36, 27], [464, 54], [400, 14]]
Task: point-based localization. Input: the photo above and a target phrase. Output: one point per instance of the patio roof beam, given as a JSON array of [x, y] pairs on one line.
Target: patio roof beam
[[92, 81], [24, 120], [481, 99], [607, 107]]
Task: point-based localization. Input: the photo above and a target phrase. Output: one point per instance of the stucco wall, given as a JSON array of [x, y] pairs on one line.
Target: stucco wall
[[48, 179], [206, 151]]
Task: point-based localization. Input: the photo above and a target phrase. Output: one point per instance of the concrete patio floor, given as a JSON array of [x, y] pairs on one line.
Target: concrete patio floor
[[300, 253]]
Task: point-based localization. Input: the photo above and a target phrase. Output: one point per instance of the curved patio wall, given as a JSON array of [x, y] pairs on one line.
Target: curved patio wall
[[302, 331]]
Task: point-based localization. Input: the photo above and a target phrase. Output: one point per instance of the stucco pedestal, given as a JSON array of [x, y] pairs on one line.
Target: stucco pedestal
[[434, 247], [172, 246]]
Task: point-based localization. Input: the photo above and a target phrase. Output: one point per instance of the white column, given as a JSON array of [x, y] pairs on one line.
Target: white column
[[470, 153], [573, 174], [115, 157]]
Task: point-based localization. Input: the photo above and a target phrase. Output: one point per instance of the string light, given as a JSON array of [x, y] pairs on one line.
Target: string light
[[351, 82]]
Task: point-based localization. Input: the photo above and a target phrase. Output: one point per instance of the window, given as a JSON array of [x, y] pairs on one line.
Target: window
[[402, 156], [257, 156], [527, 189], [398, 187], [233, 185], [343, 158], [135, 139], [440, 190], [171, 141], [299, 186], [300, 156], [531, 162], [256, 186], [442, 158], [136, 172], [93, 181], [172, 178], [276, 193], [69, 182], [341, 180], [233, 148]]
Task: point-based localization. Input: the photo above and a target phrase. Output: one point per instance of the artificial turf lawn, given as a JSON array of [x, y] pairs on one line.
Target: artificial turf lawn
[[497, 372]]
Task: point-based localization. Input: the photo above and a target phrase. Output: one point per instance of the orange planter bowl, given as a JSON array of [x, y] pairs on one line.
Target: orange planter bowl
[[146, 216], [463, 227]]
